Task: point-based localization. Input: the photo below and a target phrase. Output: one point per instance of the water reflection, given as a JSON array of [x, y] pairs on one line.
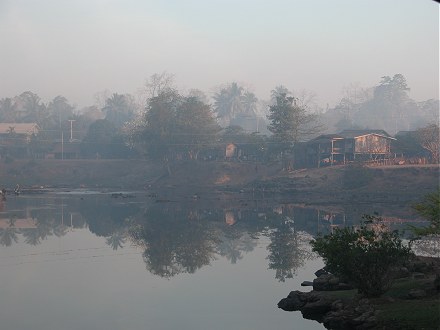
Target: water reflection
[[8, 236], [176, 238]]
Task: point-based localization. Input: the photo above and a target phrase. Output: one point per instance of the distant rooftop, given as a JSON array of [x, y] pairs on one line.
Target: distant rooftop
[[352, 133], [19, 128]]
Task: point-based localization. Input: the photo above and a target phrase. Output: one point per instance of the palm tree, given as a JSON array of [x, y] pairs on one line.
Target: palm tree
[[228, 103], [250, 102], [34, 236], [117, 239], [118, 109], [8, 236]]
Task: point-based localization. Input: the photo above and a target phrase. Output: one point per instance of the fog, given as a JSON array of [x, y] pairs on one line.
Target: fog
[[80, 48]]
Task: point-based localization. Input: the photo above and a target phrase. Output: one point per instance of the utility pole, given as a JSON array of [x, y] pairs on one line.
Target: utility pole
[[71, 125]]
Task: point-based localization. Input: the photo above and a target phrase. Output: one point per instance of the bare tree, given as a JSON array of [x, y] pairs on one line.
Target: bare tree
[[429, 139], [158, 83]]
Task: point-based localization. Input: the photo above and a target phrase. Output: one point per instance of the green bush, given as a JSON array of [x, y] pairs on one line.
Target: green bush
[[429, 209], [365, 257]]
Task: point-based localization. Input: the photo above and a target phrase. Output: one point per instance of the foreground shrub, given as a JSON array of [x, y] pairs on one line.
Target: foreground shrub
[[429, 209], [364, 256]]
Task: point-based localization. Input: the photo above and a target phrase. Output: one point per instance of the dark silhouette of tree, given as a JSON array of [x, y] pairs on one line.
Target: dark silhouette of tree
[[8, 236], [175, 125], [158, 133], [290, 123], [103, 140]]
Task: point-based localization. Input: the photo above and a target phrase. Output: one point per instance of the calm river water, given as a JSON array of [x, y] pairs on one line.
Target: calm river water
[[93, 261]]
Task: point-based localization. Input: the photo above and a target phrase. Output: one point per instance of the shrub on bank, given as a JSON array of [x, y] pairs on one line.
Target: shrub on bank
[[364, 256]]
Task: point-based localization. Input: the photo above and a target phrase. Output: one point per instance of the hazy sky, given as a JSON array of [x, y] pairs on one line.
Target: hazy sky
[[77, 48]]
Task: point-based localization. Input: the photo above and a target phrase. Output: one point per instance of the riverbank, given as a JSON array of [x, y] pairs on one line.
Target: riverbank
[[413, 302], [330, 185]]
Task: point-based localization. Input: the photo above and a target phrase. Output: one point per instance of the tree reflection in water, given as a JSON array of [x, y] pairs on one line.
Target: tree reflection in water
[[8, 236], [34, 236], [174, 241], [233, 243], [175, 238], [117, 239], [288, 249]]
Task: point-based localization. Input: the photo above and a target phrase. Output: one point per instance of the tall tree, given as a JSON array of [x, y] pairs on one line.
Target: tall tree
[[277, 92], [175, 126], [195, 125], [159, 128], [390, 108], [290, 123]]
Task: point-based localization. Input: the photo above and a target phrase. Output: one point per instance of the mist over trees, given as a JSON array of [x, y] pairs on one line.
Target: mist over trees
[[234, 105], [163, 123], [385, 106], [175, 126]]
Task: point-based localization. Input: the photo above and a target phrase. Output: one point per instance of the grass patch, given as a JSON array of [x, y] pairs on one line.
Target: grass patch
[[397, 312], [402, 286], [410, 314]]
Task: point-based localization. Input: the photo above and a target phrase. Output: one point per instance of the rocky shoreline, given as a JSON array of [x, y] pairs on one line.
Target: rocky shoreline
[[338, 306]]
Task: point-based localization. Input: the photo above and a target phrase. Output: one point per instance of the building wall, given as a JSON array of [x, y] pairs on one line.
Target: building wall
[[372, 144]]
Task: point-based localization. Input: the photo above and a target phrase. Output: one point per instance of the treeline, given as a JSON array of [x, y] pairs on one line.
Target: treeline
[[166, 124]]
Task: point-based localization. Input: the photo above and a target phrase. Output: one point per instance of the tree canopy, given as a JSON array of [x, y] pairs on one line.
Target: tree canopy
[[177, 126], [290, 122]]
